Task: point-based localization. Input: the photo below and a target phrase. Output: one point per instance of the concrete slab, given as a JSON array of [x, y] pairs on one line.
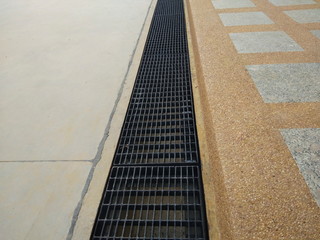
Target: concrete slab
[[62, 65], [316, 33], [245, 18], [305, 15], [37, 200], [298, 82], [291, 2], [87, 214], [221, 4], [304, 145], [258, 42]]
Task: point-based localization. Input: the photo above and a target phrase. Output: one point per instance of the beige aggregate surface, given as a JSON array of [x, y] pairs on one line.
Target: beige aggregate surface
[[253, 186]]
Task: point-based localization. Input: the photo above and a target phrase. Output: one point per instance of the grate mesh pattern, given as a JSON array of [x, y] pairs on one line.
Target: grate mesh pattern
[[154, 189], [159, 126], [152, 203]]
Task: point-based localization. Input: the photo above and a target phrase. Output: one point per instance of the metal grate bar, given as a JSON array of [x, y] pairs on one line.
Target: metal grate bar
[[161, 100], [154, 189], [152, 203]]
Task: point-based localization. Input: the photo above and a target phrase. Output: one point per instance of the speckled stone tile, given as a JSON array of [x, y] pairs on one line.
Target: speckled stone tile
[[304, 145], [221, 4], [291, 2], [252, 184], [298, 82], [305, 16], [316, 33], [245, 18], [258, 42]]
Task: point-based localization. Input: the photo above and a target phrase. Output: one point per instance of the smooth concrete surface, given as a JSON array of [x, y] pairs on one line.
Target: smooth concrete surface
[[37, 199], [305, 16], [245, 18], [316, 33], [291, 2], [304, 145], [296, 82], [62, 65], [222, 4], [87, 214], [258, 42], [253, 185]]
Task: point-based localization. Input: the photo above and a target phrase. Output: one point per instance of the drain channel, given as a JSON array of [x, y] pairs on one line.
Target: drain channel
[[154, 189]]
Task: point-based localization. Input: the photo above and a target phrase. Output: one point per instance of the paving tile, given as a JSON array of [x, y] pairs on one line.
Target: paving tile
[[37, 200], [258, 42], [246, 18], [291, 2], [221, 4], [304, 145], [298, 82], [305, 16], [316, 33]]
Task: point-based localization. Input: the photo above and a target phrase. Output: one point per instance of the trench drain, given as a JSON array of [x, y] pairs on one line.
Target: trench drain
[[154, 189]]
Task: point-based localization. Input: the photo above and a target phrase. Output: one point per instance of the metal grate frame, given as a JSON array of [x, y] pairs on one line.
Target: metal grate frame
[[154, 189], [152, 203]]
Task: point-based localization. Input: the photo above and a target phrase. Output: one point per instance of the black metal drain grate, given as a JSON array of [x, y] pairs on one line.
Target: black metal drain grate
[[160, 106], [154, 189], [159, 202]]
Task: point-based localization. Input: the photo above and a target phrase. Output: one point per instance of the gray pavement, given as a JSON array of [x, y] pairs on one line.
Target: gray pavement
[[257, 42], [295, 82], [304, 145], [222, 4], [245, 18], [62, 67], [305, 15], [291, 2]]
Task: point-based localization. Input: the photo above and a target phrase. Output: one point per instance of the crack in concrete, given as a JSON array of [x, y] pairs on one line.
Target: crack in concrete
[[97, 158]]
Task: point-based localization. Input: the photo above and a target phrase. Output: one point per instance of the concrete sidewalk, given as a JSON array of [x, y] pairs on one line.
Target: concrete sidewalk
[[257, 81], [63, 64]]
